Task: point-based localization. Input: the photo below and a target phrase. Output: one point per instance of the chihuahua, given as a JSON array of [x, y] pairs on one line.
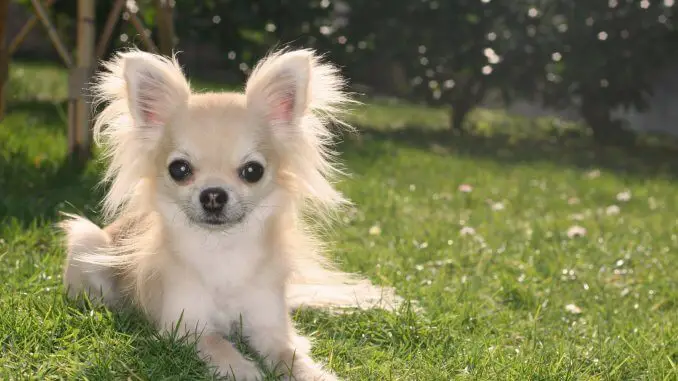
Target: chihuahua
[[210, 207]]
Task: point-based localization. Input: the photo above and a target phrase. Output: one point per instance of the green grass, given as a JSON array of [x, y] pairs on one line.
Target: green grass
[[495, 301]]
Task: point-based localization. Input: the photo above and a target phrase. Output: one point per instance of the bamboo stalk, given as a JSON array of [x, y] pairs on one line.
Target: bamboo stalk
[[25, 30], [52, 33], [106, 34], [85, 64], [72, 125], [139, 26], [165, 25]]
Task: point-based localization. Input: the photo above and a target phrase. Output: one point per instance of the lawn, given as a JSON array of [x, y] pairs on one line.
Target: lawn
[[534, 254]]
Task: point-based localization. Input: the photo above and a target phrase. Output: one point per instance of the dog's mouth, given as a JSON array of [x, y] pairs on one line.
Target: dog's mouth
[[214, 220]]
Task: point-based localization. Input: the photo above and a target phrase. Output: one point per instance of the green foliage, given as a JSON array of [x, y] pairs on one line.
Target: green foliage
[[245, 30], [596, 56], [612, 49]]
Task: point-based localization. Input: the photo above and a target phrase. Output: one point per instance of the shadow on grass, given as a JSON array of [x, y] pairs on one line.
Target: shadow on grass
[[36, 180], [36, 191], [33, 188], [37, 108], [652, 156], [144, 354]]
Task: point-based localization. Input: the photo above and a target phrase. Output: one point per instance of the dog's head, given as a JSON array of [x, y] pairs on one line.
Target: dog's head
[[215, 158]]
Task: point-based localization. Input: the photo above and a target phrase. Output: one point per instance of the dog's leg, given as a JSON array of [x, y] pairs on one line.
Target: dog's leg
[[228, 361], [272, 334], [297, 361], [212, 346]]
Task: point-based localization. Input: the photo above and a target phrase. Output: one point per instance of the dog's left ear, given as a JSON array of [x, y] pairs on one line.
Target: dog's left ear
[[277, 90]]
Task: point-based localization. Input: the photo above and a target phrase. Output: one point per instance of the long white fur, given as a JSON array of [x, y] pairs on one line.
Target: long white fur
[[310, 145], [122, 132], [207, 275]]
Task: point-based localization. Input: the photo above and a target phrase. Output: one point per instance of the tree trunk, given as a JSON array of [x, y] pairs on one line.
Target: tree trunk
[[605, 130], [471, 94], [459, 110]]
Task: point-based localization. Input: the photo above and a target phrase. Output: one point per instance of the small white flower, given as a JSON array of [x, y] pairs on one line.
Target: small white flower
[[593, 174], [573, 309], [624, 196], [577, 217], [467, 230], [438, 149], [652, 203], [612, 210], [465, 188], [375, 230], [497, 206], [576, 231]]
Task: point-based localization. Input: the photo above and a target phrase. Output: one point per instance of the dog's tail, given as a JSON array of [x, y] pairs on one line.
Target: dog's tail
[[316, 284], [85, 239]]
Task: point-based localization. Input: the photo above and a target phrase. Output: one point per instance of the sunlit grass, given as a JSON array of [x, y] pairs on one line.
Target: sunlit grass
[[532, 258]]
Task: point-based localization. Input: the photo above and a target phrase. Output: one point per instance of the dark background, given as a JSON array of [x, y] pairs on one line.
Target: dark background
[[586, 57]]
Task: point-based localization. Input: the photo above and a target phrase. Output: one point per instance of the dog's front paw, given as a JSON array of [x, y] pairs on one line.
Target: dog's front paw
[[309, 372], [313, 376], [243, 370]]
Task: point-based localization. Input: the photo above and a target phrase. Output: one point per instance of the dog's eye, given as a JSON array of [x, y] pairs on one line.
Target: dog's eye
[[252, 172], [180, 170]]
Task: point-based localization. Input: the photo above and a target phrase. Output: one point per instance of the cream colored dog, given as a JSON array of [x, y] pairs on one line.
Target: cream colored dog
[[208, 194]]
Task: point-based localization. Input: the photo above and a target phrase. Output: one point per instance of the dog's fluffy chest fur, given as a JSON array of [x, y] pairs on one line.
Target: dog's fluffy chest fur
[[217, 275]]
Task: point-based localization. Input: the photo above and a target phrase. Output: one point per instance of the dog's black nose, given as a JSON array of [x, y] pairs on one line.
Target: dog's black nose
[[213, 200]]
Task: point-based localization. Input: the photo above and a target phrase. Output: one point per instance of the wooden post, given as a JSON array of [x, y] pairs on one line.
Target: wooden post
[[30, 24], [52, 33], [79, 107], [165, 25], [139, 26], [79, 123], [106, 34], [4, 54]]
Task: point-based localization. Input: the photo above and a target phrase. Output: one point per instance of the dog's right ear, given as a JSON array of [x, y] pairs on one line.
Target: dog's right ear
[[150, 88], [156, 87]]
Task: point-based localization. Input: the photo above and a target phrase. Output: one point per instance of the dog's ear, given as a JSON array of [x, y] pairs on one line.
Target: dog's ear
[[277, 90], [142, 92], [298, 97], [156, 87]]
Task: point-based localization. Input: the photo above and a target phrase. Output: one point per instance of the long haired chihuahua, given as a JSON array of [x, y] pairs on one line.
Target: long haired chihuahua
[[209, 208]]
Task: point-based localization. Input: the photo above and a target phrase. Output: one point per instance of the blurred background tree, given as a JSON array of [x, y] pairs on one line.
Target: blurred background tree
[[595, 56], [438, 50]]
